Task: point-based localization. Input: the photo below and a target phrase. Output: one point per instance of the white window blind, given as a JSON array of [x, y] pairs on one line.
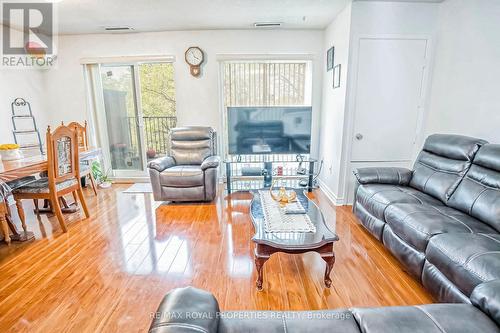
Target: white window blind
[[263, 83]]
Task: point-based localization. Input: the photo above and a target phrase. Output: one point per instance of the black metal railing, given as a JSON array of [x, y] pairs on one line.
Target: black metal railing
[[156, 131]]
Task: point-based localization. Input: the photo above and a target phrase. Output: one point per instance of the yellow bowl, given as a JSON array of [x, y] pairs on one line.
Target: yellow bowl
[[9, 146]]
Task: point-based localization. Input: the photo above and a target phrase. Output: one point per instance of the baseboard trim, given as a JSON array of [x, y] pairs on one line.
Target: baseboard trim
[[330, 195]]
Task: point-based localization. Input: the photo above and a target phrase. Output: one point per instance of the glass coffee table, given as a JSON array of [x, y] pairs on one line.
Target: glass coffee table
[[268, 243]]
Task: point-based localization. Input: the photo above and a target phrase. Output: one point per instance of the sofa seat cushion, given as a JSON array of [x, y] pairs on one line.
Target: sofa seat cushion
[[438, 318], [466, 259], [416, 224], [375, 198], [486, 297], [182, 176], [331, 321]]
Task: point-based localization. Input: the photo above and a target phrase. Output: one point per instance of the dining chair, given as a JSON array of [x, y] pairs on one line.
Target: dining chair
[[85, 167], [81, 131], [83, 143], [6, 222], [63, 175]]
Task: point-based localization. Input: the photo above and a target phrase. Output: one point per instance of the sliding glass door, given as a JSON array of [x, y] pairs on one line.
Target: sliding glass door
[[122, 118], [139, 107]]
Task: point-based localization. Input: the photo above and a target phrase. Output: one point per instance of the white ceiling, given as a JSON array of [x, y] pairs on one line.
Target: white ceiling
[[90, 16], [430, 1]]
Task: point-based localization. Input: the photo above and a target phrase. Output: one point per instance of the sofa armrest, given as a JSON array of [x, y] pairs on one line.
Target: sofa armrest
[[486, 297], [186, 310], [393, 176], [162, 163], [210, 162]]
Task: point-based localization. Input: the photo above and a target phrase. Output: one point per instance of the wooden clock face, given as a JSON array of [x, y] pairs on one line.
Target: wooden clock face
[[194, 56]]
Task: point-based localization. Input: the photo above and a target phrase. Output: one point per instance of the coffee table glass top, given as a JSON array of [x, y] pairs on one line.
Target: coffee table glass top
[[293, 240]]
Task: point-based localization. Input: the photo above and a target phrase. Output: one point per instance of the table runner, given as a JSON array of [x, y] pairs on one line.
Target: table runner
[[275, 219]]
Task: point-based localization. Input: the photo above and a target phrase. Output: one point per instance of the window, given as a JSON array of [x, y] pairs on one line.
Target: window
[[265, 83]]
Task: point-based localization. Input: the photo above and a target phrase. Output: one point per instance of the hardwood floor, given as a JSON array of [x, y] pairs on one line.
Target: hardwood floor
[[109, 272]]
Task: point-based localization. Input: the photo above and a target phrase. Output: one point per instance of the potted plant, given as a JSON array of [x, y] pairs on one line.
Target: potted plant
[[100, 176], [151, 153], [10, 152]]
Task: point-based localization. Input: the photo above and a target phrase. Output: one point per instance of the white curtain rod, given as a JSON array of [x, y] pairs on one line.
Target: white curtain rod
[[127, 59], [260, 56]]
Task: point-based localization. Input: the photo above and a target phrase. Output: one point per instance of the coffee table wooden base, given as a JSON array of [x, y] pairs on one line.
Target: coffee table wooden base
[[263, 252]]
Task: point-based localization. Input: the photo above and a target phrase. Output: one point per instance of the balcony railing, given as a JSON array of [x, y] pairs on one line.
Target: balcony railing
[[156, 130]]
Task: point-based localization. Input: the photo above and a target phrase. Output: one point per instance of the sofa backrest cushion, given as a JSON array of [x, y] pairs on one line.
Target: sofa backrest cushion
[[191, 145], [442, 164], [479, 193]]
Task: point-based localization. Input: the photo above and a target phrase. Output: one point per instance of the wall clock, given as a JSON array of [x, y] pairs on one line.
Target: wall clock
[[194, 57]]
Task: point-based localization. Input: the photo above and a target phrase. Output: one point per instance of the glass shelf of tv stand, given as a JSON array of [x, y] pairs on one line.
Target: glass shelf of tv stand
[[257, 183], [254, 171]]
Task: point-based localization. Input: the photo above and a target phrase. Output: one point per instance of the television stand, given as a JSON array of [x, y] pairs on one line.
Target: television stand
[[253, 172]]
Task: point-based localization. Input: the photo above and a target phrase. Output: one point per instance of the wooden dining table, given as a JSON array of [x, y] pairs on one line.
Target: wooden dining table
[[33, 164]]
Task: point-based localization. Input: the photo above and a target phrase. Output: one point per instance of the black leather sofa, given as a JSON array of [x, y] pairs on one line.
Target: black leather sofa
[[441, 219], [193, 310]]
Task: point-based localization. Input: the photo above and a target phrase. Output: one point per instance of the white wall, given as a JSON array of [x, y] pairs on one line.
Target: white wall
[[197, 98], [27, 84], [366, 18], [333, 104], [465, 95], [385, 17]]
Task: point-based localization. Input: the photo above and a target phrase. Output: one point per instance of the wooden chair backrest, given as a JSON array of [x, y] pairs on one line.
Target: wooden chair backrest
[[81, 130], [62, 154]]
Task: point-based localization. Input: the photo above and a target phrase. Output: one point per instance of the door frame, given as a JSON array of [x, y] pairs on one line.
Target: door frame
[[348, 137]]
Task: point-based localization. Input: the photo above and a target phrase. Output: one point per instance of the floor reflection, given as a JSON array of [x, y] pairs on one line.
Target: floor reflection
[[171, 239], [150, 244], [238, 265]]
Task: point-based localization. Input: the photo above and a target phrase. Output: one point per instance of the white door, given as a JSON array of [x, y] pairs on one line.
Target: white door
[[388, 99]]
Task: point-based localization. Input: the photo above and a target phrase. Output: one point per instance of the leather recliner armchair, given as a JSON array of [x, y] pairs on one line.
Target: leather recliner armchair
[[189, 173]]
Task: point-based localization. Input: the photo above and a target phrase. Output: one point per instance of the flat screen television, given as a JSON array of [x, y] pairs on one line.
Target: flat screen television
[[269, 130]]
